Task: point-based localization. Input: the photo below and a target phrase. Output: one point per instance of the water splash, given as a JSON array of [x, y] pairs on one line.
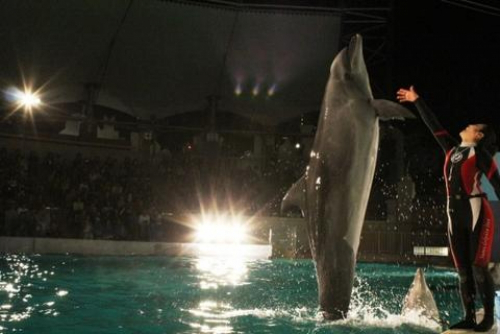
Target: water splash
[[367, 309], [251, 296], [365, 313]]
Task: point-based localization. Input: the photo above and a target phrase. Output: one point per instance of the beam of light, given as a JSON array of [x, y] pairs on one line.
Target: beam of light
[[272, 90]]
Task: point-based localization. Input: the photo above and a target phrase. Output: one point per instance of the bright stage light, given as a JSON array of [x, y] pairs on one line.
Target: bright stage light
[[26, 100], [29, 100], [221, 229]]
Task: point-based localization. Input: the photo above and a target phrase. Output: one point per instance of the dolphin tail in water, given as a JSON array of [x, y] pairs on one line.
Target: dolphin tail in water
[[387, 110]]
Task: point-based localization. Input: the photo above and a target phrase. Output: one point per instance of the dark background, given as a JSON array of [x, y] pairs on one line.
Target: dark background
[[452, 56]]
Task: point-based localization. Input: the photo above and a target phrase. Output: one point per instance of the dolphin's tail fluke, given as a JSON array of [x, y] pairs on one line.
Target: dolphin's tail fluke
[[295, 196], [387, 110]]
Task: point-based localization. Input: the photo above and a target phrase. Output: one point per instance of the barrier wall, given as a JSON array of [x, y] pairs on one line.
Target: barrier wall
[[88, 247], [16, 245]]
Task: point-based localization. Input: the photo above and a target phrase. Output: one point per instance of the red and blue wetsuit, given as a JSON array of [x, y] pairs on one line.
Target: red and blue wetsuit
[[470, 218]]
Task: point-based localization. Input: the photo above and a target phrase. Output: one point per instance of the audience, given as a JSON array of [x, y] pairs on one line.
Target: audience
[[128, 199]]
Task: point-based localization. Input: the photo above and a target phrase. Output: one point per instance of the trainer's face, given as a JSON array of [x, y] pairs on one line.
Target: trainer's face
[[472, 133]]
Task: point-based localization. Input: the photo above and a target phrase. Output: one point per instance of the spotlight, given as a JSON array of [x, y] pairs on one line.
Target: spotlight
[[27, 100], [256, 90], [237, 90], [221, 229], [271, 90]]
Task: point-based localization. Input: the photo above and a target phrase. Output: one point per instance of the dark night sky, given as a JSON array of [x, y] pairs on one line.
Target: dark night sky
[[452, 56]]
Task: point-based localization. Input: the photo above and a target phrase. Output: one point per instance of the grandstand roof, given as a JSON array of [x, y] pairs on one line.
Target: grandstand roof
[[161, 58]]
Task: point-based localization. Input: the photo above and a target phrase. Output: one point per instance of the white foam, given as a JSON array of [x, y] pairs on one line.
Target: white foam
[[362, 316], [367, 310]]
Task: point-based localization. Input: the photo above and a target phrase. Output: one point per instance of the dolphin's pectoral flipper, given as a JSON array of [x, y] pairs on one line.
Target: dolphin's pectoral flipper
[[295, 196], [391, 110]]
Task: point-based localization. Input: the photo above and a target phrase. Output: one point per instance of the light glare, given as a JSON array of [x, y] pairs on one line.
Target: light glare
[[221, 229], [27, 99]]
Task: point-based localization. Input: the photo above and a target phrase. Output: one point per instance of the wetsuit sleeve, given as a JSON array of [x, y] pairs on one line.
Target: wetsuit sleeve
[[442, 136], [486, 163]]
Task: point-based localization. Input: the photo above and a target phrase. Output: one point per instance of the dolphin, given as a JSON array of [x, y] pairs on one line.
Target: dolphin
[[333, 192], [419, 299]]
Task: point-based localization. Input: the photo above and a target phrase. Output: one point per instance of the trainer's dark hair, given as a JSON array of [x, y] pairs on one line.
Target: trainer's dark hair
[[489, 141]]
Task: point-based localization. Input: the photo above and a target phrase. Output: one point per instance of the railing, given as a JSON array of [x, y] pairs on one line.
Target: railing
[[402, 247]]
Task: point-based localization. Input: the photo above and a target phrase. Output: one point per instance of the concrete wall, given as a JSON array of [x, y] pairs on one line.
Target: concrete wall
[[88, 247], [16, 245]]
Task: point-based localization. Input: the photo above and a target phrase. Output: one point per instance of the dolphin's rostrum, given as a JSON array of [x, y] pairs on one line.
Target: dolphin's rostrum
[[333, 193]]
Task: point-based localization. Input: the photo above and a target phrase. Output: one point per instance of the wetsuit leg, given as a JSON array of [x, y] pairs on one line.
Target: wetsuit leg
[[459, 236], [481, 247], [486, 291]]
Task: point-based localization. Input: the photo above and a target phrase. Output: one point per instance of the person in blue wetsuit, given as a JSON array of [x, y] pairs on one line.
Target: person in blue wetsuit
[[470, 218]]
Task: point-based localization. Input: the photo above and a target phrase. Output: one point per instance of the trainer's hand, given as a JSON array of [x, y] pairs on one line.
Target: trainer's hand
[[407, 95]]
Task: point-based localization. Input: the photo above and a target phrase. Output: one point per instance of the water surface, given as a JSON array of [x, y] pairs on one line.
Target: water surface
[[229, 293]]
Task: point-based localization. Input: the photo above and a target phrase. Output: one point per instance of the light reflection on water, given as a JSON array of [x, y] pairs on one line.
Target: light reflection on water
[[228, 268], [15, 285], [213, 317], [225, 265], [222, 290]]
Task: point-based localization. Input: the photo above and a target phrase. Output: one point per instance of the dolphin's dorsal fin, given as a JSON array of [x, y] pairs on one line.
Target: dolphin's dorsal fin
[[295, 196], [387, 110], [420, 299]]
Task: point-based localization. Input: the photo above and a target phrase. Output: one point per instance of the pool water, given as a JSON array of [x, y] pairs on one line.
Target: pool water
[[205, 294]]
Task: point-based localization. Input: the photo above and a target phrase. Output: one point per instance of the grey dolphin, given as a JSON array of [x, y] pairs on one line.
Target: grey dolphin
[[419, 299], [333, 193]]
